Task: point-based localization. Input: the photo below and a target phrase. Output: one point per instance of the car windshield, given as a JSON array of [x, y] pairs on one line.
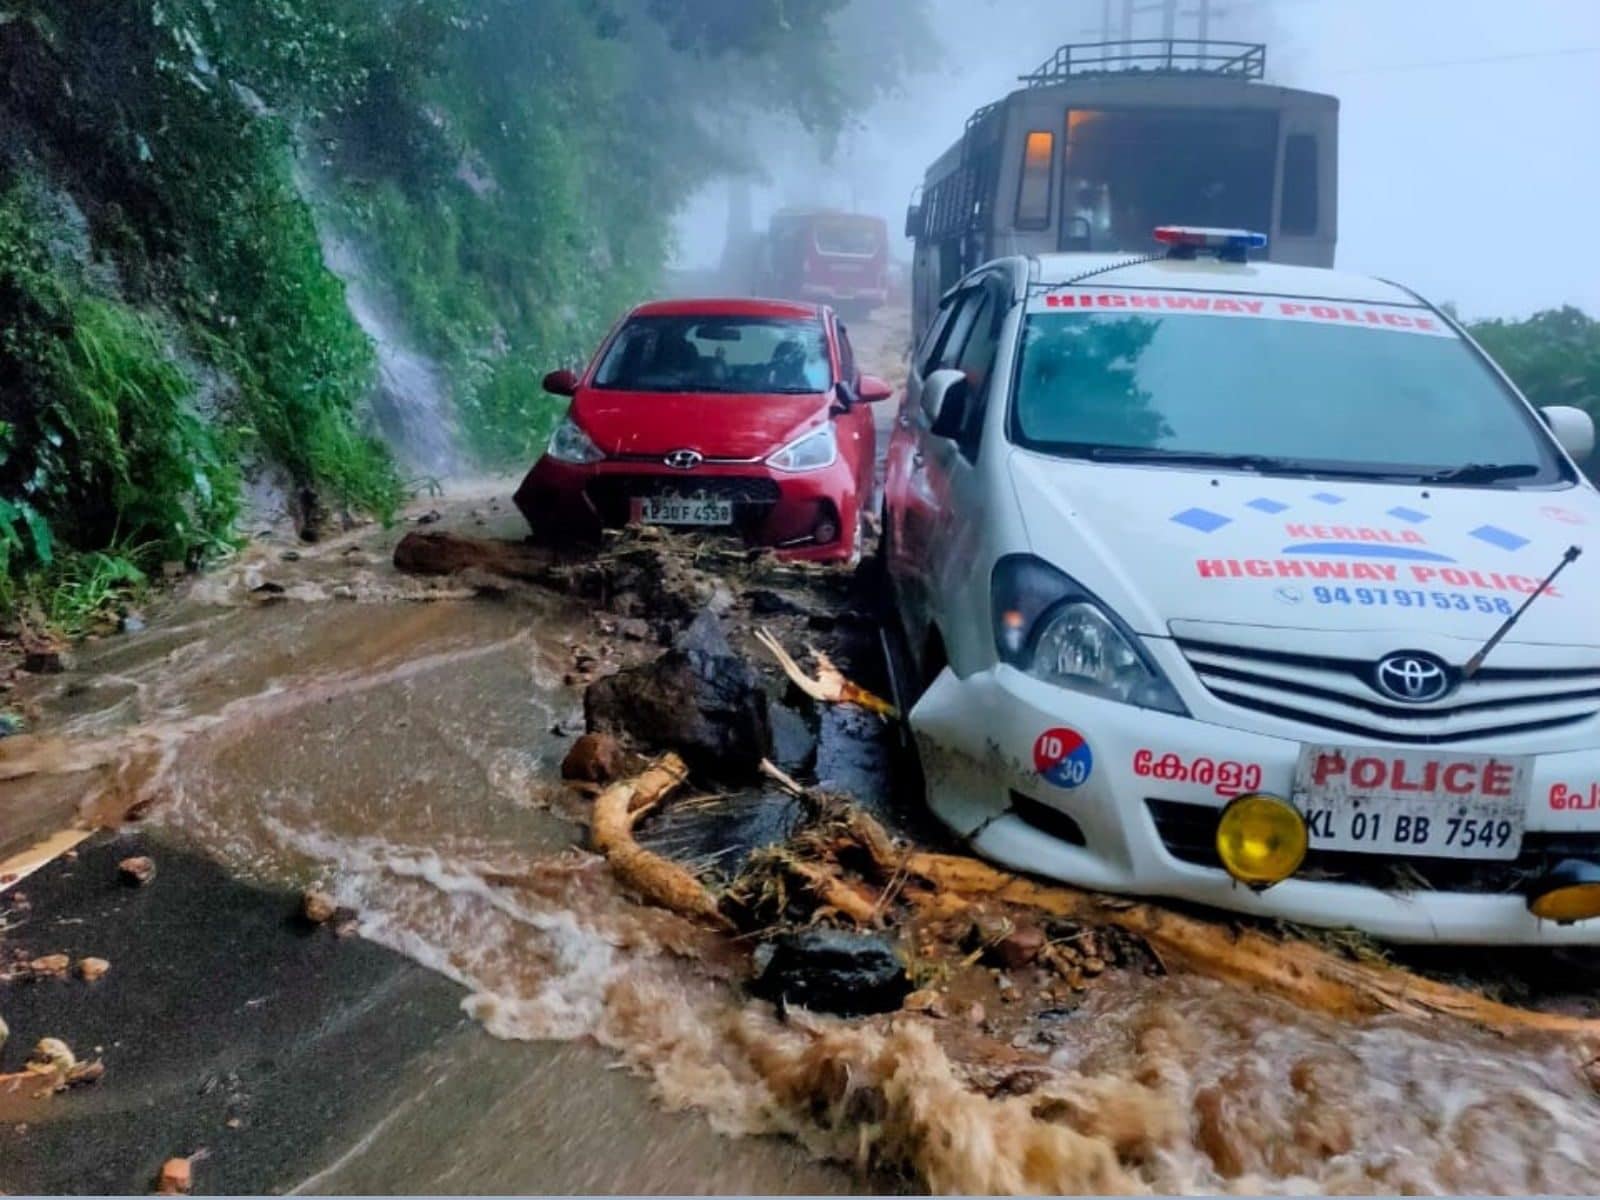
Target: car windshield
[[1351, 391], [761, 355], [858, 239]]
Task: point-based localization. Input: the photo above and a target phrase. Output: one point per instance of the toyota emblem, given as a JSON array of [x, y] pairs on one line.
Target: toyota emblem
[[684, 460], [1413, 678]]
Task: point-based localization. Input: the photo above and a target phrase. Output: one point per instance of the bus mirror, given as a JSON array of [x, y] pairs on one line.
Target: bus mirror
[[944, 402], [914, 221]]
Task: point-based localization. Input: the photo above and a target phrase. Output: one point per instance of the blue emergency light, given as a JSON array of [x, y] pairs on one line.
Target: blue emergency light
[[1229, 245]]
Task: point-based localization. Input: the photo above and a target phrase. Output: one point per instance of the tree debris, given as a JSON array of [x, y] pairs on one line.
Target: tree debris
[[830, 686]]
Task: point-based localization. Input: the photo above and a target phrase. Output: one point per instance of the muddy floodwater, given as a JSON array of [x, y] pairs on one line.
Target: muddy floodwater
[[321, 721]]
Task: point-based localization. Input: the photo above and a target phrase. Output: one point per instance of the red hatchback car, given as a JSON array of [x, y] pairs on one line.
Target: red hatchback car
[[746, 416]]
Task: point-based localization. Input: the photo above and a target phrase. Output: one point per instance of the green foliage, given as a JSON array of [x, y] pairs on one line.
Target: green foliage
[[506, 416], [1554, 356]]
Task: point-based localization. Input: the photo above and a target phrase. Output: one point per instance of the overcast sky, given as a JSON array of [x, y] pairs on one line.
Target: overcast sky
[[1469, 149]]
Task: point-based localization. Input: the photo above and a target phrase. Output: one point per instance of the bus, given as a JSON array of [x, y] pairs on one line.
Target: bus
[[825, 256], [1107, 140]]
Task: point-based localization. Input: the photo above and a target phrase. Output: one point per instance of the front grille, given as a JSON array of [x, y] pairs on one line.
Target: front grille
[[1189, 832], [752, 496], [1334, 694]]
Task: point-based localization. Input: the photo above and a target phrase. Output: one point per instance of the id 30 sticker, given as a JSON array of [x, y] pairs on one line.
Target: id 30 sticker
[[1062, 757]]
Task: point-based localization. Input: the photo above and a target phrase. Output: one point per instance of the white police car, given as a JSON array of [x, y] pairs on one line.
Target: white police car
[[1226, 581]]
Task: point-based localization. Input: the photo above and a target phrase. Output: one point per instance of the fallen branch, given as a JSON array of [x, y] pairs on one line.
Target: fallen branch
[[830, 686], [659, 880]]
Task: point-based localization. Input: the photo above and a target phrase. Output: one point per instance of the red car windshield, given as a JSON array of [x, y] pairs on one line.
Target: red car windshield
[[758, 355]]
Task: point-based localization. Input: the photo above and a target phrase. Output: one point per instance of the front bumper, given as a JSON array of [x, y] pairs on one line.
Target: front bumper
[[774, 509], [1110, 823]]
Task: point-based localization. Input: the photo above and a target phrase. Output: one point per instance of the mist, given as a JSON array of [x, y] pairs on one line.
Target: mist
[[1467, 168]]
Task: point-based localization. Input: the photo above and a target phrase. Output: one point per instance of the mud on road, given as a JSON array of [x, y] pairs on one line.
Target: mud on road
[[314, 718]]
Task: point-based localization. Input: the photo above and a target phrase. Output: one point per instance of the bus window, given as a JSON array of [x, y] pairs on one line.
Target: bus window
[[1129, 170], [1299, 215], [1038, 169]]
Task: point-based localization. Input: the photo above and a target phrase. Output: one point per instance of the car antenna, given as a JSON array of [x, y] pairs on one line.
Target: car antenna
[[1476, 661]]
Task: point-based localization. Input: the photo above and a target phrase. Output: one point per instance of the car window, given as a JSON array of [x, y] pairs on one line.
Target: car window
[[948, 352], [1301, 395], [701, 353], [976, 362], [847, 355], [924, 357]]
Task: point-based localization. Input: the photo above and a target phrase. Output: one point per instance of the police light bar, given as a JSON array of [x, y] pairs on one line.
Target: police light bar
[[1228, 244]]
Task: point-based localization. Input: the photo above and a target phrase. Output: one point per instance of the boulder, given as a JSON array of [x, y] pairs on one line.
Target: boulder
[[699, 698], [828, 970], [436, 553]]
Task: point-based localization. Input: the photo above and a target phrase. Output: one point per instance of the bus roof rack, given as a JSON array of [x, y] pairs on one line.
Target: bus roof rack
[[1159, 56]]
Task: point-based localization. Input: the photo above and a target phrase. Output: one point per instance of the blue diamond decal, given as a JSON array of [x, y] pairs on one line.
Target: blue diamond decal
[[1267, 506], [1202, 519], [1327, 498], [1496, 536], [1408, 514]]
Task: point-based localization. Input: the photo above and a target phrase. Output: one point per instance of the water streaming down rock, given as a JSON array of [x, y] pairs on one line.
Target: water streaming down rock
[[412, 402]]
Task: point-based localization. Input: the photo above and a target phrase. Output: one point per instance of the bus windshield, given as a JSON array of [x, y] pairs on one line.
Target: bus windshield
[[1129, 170], [1276, 396]]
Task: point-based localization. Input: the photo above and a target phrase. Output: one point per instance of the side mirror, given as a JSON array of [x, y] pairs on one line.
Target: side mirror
[[944, 401], [871, 389], [914, 221], [1572, 427], [561, 383]]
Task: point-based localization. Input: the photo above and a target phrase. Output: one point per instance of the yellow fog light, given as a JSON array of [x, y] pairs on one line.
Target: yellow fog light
[[1261, 840], [1570, 892]]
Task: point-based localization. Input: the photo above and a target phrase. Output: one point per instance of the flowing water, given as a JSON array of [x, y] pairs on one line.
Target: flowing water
[[393, 741]]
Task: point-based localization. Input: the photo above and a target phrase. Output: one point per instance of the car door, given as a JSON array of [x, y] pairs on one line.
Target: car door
[[923, 516]]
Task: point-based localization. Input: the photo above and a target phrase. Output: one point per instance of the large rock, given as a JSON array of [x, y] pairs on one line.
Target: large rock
[[827, 970], [434, 553], [699, 698]]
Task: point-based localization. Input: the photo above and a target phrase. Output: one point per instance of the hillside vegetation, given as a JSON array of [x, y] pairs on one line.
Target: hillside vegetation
[[168, 325]]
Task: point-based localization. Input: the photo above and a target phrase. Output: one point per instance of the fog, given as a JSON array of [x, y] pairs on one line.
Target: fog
[[1468, 162]]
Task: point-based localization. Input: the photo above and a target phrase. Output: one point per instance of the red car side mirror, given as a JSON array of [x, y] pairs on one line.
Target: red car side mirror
[[871, 389], [561, 383]]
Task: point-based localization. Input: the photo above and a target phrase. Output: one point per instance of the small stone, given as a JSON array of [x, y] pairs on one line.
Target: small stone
[[431, 517], [90, 969], [234, 1123], [132, 622], [175, 1178], [290, 556], [976, 1014], [926, 1001], [46, 660], [52, 1054], [1093, 965], [53, 966], [595, 758], [318, 907], [634, 629], [1020, 947], [137, 871]]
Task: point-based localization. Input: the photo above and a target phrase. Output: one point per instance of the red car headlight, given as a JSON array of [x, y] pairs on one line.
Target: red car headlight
[[809, 452]]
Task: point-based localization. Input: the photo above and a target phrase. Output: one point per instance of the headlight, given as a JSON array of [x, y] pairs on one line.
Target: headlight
[[1047, 624], [808, 452], [570, 444]]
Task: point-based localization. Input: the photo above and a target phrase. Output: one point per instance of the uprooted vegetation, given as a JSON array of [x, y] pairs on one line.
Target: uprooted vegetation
[[839, 865]]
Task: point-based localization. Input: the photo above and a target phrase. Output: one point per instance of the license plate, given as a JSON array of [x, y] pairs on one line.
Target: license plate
[[684, 510], [1412, 802]]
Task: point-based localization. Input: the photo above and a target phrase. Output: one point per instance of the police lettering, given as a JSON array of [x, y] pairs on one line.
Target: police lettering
[[1372, 773]]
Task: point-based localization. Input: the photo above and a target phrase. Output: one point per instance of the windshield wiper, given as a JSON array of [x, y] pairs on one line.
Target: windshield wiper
[[1482, 473], [1238, 462]]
